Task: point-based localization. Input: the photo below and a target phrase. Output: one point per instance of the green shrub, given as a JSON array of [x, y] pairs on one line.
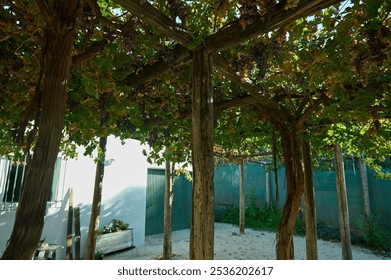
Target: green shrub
[[99, 255], [374, 234], [231, 215], [267, 218]]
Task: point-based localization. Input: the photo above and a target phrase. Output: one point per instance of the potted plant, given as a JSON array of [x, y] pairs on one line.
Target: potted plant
[[114, 237]]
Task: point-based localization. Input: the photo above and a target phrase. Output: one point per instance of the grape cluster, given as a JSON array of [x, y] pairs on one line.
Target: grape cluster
[[87, 17], [376, 47], [243, 65], [10, 60], [360, 59], [276, 47], [254, 61], [258, 54], [178, 9], [248, 11], [102, 108], [129, 39], [167, 55]]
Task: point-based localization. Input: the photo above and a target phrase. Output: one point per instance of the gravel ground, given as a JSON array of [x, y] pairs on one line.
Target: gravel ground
[[253, 245]]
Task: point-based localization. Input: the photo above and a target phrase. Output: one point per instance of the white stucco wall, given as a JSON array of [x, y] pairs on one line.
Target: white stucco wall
[[123, 195]]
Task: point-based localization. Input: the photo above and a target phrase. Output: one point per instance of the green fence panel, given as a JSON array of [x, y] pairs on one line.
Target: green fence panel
[[226, 181], [227, 191], [380, 197]]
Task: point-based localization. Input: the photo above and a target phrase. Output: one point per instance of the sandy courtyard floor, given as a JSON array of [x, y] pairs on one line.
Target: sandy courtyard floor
[[253, 245]]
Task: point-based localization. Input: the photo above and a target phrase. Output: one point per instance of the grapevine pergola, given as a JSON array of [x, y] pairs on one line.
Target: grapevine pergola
[[202, 53]]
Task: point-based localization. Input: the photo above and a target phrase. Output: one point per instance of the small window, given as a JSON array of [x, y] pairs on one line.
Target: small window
[[14, 182], [12, 175]]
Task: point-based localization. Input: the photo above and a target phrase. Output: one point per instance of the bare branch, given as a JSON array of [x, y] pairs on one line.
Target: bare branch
[[217, 107]]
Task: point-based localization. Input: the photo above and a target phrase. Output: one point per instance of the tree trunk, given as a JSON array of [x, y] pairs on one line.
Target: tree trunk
[[364, 189], [242, 202], [202, 223], [96, 201], [30, 214], [295, 180], [342, 204], [168, 200], [309, 202]]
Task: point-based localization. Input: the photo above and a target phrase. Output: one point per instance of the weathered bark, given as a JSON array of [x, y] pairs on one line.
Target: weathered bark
[[342, 204], [168, 200], [295, 180], [242, 202], [96, 201], [309, 205], [29, 220], [202, 223], [364, 189]]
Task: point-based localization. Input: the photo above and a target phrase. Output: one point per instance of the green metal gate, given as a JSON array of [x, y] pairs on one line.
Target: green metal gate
[[181, 210]]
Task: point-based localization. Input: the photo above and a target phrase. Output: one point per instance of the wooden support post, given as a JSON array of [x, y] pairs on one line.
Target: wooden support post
[[202, 221], [77, 233], [242, 200], [342, 204], [309, 202], [96, 201], [364, 189], [267, 183], [69, 240], [168, 200]]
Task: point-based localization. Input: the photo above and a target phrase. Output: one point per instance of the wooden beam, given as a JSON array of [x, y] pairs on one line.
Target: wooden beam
[[150, 72], [222, 39], [234, 33], [217, 107]]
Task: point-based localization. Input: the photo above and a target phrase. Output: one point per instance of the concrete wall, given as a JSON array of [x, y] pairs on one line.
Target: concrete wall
[[123, 197]]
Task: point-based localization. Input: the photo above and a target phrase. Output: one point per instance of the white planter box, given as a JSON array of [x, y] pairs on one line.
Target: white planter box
[[112, 242]]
